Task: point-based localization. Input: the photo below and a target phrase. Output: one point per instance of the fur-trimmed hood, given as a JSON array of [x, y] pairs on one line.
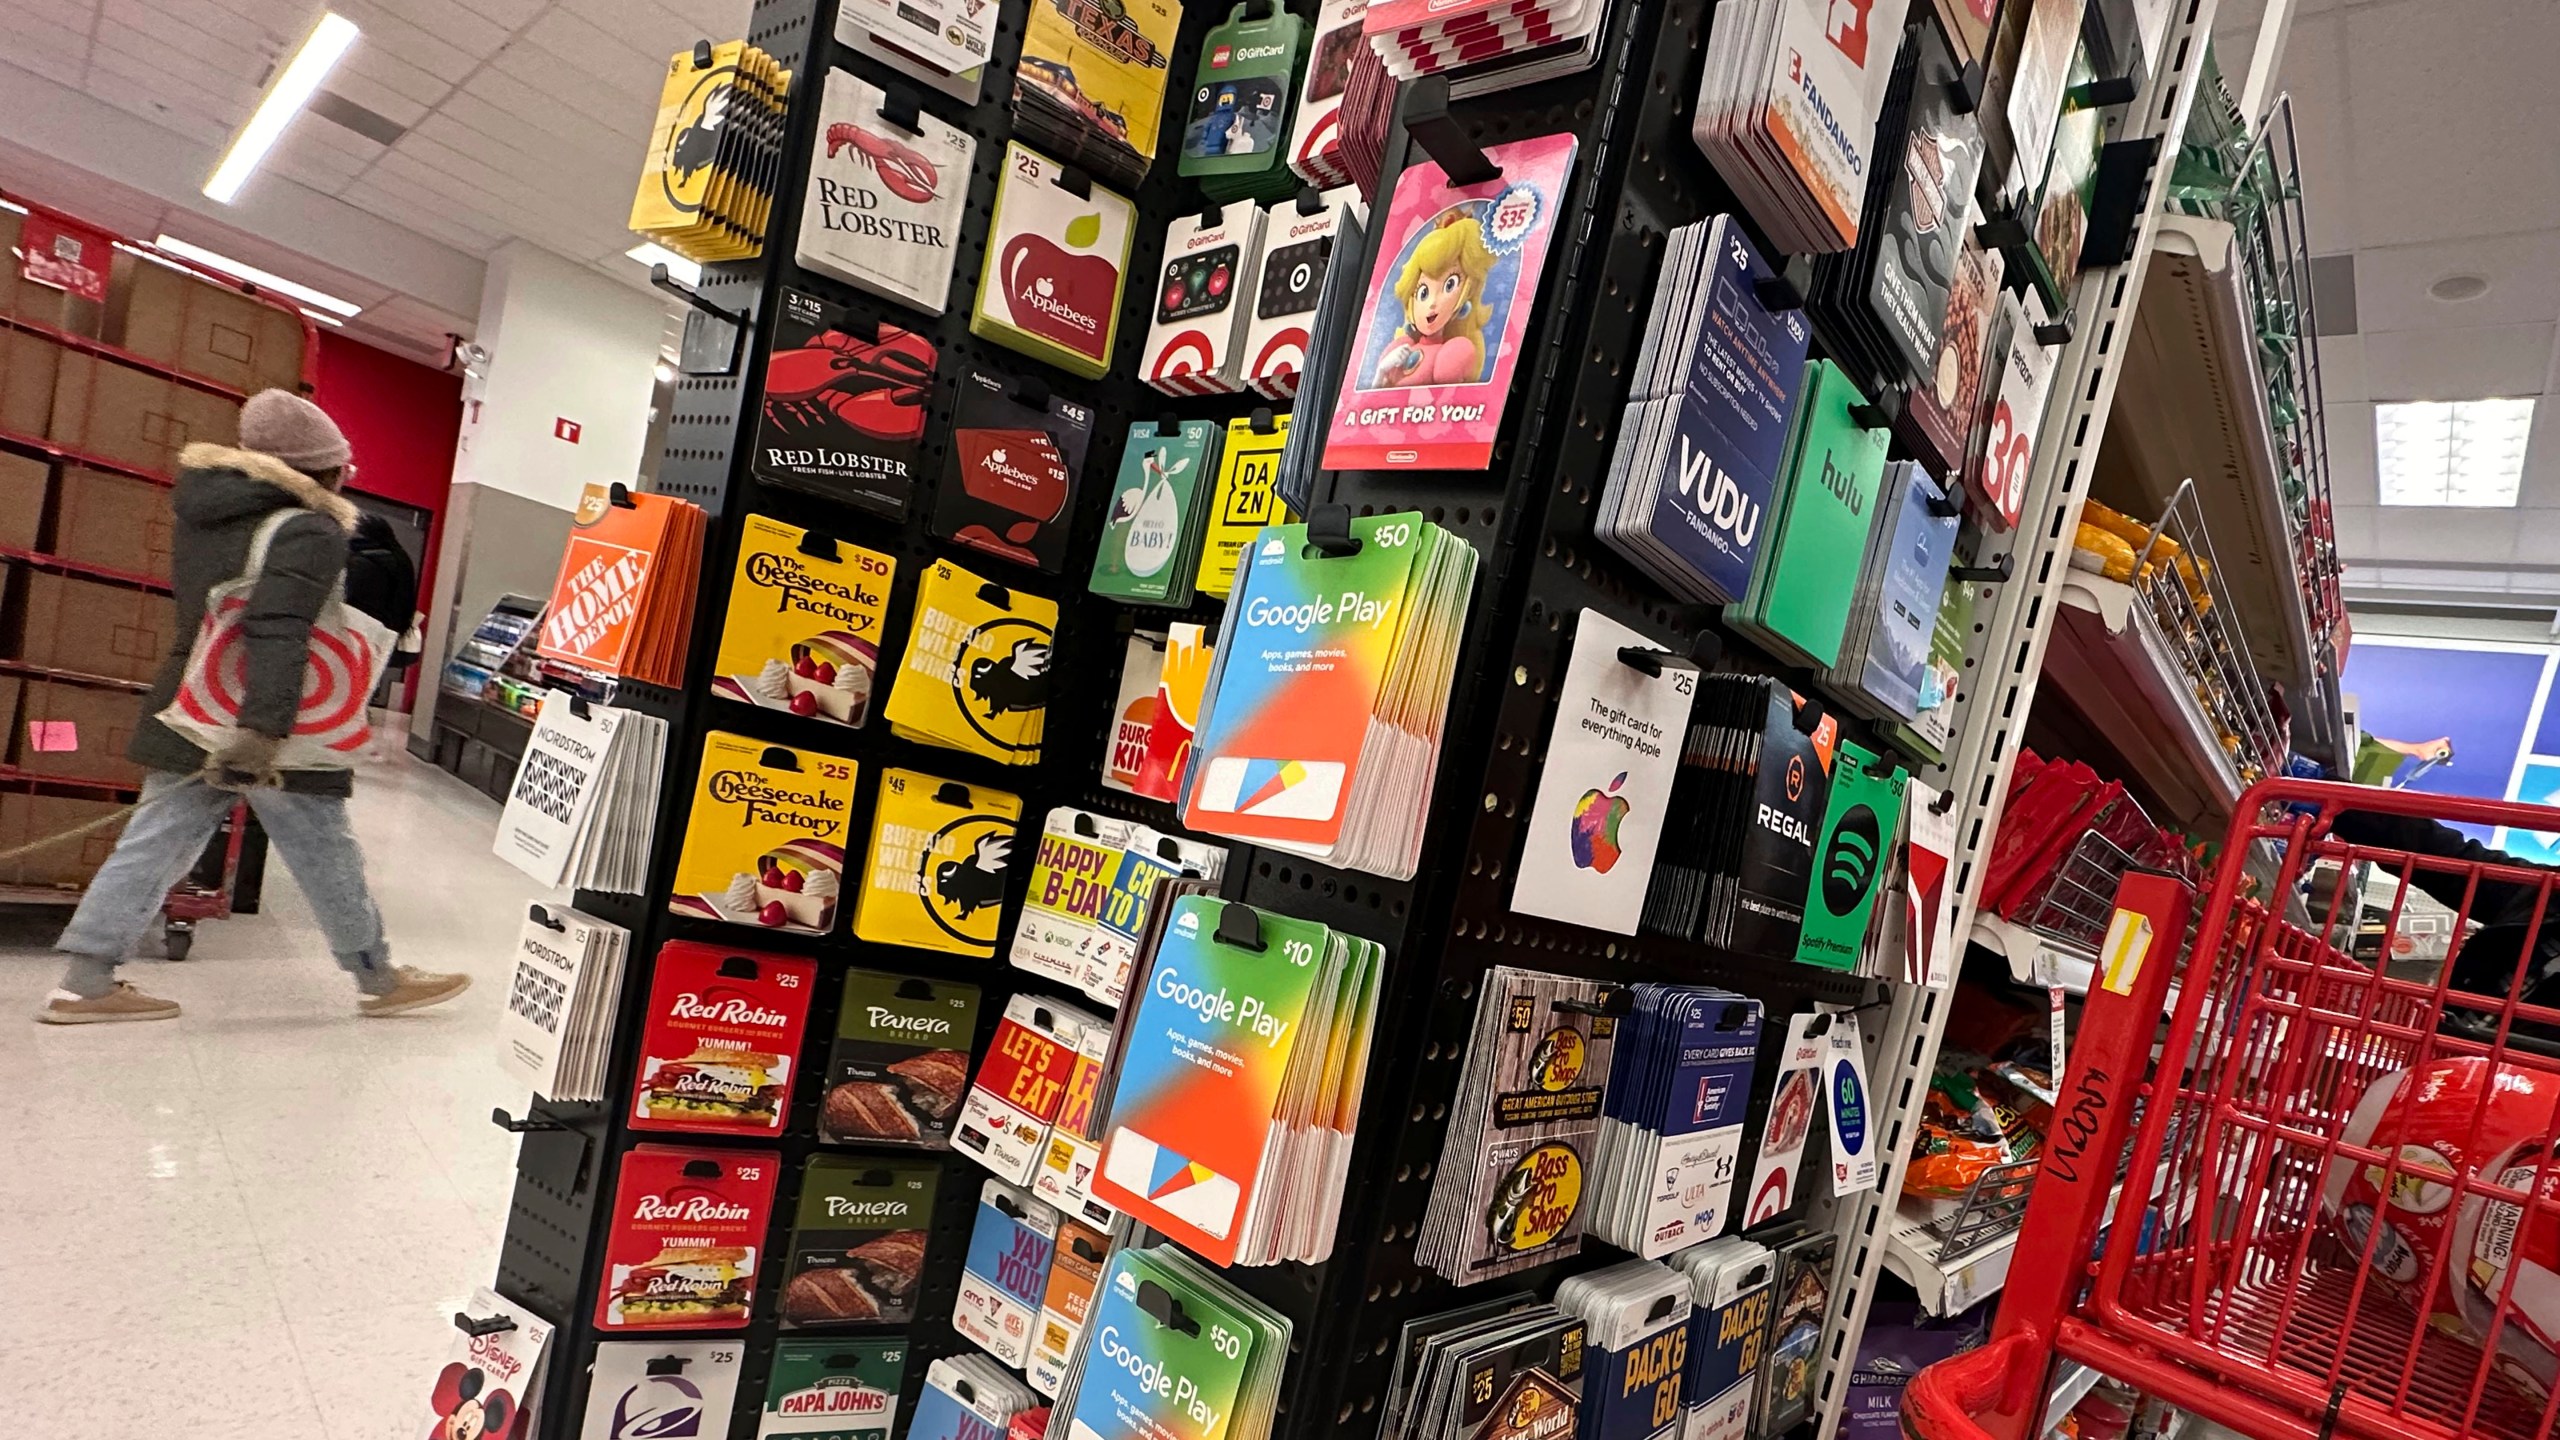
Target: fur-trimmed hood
[[266, 470]]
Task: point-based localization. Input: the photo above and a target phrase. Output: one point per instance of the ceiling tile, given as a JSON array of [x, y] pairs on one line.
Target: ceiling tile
[[2315, 76], [465, 30], [214, 86], [619, 110], [42, 44], [2538, 537], [207, 31], [2473, 364], [143, 95], [2442, 533], [2456, 72], [396, 201], [2354, 525], [564, 135], [584, 45], [428, 51], [2342, 368], [2523, 272], [388, 69], [513, 14]]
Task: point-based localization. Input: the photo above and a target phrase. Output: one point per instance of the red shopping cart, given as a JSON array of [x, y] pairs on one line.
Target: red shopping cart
[[2301, 1249]]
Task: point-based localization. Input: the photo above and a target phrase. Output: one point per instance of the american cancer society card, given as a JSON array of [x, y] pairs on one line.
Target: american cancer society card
[[1610, 763], [1456, 276]]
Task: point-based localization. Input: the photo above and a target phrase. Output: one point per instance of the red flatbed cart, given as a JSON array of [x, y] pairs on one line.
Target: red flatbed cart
[[2247, 1288]]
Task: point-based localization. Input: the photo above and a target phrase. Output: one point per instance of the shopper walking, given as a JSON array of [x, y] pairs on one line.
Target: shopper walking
[[292, 457]]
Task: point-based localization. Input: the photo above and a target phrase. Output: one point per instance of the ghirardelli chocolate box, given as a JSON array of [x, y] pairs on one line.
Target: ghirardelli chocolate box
[[901, 1060], [1015, 458], [688, 1232], [722, 1040], [845, 402], [858, 1241]]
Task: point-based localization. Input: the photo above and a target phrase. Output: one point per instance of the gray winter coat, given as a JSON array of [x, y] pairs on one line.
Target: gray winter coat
[[223, 494]]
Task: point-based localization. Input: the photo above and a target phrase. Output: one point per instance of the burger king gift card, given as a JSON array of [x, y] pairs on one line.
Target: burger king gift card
[[764, 843], [803, 626], [1057, 256], [688, 1231], [722, 1040]]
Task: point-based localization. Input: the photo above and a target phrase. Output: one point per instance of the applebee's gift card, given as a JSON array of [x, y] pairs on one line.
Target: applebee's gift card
[[1610, 762], [1056, 260]]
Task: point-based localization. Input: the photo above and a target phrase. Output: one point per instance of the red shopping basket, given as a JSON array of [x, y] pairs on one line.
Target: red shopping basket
[[2239, 1278]]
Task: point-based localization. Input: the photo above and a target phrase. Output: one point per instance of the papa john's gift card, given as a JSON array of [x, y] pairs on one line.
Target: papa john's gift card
[[481, 1392], [764, 844], [721, 1040], [688, 1231], [1056, 261], [1610, 762], [1449, 300]]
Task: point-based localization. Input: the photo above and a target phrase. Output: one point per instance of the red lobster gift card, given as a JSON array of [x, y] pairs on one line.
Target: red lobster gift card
[[688, 1230], [722, 1040]]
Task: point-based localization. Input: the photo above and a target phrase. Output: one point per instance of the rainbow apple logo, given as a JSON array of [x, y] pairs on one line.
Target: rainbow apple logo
[[1595, 826]]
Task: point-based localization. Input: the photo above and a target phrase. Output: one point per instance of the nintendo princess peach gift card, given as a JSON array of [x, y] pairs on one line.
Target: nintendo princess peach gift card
[[1456, 276]]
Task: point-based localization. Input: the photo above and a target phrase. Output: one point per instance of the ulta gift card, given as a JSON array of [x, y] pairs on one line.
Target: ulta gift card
[[1056, 259], [1449, 301]]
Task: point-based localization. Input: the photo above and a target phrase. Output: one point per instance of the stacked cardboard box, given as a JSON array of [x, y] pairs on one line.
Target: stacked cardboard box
[[25, 819]]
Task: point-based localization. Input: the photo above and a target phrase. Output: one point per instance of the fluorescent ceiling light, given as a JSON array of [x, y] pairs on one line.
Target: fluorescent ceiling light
[[2459, 452], [292, 89], [332, 321], [650, 252], [13, 207], [240, 270]]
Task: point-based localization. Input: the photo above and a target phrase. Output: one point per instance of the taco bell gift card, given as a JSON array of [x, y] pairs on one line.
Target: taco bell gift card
[[650, 1388], [1448, 304], [1610, 763]]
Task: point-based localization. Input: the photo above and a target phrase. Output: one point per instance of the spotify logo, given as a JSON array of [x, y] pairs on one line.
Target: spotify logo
[[1849, 862]]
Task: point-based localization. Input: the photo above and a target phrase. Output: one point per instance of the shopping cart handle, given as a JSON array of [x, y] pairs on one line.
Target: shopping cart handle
[[1941, 1401]]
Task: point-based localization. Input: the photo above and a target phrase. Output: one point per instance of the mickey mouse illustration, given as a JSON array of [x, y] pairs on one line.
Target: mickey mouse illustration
[[468, 1408]]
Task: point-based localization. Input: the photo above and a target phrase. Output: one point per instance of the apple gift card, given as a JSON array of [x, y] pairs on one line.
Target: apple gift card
[[1056, 260], [1610, 761]]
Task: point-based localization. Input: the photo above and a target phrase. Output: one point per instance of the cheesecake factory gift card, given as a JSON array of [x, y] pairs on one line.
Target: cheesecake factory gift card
[[764, 844], [803, 626]]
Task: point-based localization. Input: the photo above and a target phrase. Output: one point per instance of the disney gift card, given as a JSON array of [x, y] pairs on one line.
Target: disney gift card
[[1449, 300]]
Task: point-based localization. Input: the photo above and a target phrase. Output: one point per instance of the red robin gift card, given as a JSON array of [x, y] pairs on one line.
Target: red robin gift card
[[722, 1040], [688, 1232]]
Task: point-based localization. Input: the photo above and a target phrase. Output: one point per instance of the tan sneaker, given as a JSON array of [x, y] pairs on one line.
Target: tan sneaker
[[116, 1007], [417, 990]]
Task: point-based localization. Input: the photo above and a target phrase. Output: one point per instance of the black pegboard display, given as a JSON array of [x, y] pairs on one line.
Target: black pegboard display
[[1636, 176]]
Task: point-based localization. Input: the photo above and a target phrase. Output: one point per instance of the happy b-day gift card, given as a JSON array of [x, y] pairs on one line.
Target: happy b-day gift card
[[1449, 301], [1610, 762]]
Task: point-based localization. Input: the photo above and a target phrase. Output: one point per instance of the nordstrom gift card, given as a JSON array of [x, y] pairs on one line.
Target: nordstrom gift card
[[1610, 763]]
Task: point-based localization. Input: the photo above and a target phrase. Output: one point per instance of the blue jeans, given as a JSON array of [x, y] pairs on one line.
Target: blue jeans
[[178, 814]]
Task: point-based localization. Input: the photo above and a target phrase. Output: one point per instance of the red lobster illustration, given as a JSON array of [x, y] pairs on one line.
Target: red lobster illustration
[[877, 387], [908, 175]]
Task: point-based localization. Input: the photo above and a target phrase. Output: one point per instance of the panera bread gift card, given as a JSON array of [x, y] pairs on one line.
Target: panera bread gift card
[[901, 1060], [858, 1241]]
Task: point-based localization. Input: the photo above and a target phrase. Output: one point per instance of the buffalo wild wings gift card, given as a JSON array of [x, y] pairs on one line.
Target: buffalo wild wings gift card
[[941, 857], [688, 1233], [722, 1040], [484, 1389]]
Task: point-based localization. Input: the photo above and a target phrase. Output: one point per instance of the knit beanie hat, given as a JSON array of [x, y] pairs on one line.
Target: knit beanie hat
[[293, 430]]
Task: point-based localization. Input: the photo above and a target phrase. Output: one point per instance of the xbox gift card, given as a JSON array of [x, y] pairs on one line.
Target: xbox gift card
[[1610, 761]]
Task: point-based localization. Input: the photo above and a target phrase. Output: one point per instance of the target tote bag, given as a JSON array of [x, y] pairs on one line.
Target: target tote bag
[[348, 652]]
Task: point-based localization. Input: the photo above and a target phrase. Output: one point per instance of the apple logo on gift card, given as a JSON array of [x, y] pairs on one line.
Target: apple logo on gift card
[[1061, 296], [1596, 817]]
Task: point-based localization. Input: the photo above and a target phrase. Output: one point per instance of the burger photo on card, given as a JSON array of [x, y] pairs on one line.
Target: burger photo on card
[[1448, 303]]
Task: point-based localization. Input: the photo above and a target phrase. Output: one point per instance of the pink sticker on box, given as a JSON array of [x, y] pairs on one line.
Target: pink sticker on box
[[47, 736]]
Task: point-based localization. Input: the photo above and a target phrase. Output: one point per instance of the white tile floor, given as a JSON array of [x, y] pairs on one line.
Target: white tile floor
[[258, 1219]]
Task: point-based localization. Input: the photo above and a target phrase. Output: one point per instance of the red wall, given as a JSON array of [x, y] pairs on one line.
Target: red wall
[[403, 420]]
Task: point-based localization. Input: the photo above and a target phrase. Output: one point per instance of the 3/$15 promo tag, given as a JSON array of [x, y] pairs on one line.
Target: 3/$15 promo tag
[[1851, 1107]]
